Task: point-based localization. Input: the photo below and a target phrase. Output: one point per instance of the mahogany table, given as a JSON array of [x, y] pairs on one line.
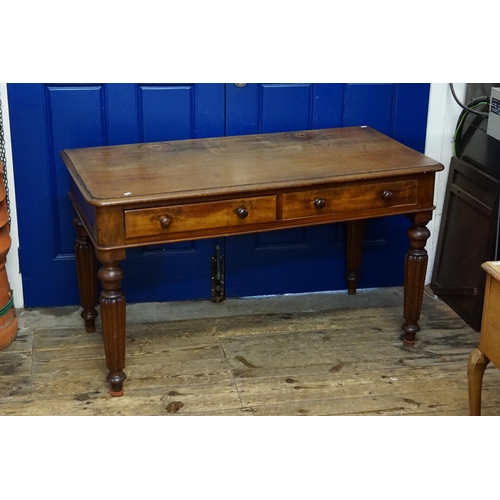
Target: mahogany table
[[153, 193]]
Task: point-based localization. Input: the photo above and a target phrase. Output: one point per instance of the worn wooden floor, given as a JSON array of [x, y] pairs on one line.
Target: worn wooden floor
[[331, 362]]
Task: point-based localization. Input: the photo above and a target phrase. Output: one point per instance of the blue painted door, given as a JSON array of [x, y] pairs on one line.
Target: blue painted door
[[48, 118], [312, 259]]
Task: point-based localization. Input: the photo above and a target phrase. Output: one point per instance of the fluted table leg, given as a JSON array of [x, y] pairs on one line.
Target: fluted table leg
[[354, 251], [415, 268], [113, 319], [86, 267]]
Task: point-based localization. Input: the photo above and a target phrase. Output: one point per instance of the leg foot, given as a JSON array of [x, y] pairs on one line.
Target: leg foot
[[86, 267], [112, 304], [475, 370], [415, 267]]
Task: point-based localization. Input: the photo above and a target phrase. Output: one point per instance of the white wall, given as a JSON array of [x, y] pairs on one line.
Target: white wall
[[441, 123], [443, 114]]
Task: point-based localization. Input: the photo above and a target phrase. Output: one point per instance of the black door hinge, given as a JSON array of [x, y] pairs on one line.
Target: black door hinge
[[217, 274]]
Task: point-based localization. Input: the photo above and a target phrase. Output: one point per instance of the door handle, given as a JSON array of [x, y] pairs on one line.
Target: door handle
[[240, 85]]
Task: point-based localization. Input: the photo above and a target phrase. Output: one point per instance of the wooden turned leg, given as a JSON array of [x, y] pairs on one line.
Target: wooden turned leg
[[354, 250], [475, 371], [86, 268], [415, 267], [112, 304]]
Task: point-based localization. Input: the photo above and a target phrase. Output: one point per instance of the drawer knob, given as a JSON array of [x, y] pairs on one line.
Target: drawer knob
[[319, 203], [387, 195], [165, 221], [242, 212]]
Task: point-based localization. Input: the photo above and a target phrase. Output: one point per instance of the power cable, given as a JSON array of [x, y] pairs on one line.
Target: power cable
[[474, 103], [479, 113]]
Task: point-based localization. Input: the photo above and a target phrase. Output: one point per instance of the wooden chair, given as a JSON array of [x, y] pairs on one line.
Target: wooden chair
[[489, 343]]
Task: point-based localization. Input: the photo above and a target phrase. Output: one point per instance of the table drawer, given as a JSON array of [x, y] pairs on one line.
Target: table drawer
[[350, 198], [199, 216]]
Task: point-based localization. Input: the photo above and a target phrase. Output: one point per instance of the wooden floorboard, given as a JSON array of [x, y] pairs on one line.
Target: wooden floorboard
[[330, 362]]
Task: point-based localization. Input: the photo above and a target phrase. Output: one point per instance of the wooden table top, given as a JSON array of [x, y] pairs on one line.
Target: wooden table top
[[114, 175]]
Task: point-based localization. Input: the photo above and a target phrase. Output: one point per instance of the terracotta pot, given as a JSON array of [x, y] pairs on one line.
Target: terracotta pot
[[8, 321]]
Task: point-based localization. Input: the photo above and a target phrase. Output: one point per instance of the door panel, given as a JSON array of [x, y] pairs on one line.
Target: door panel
[[312, 259], [44, 212], [369, 105], [285, 107], [85, 104], [264, 108], [410, 114], [165, 111], [286, 266]]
